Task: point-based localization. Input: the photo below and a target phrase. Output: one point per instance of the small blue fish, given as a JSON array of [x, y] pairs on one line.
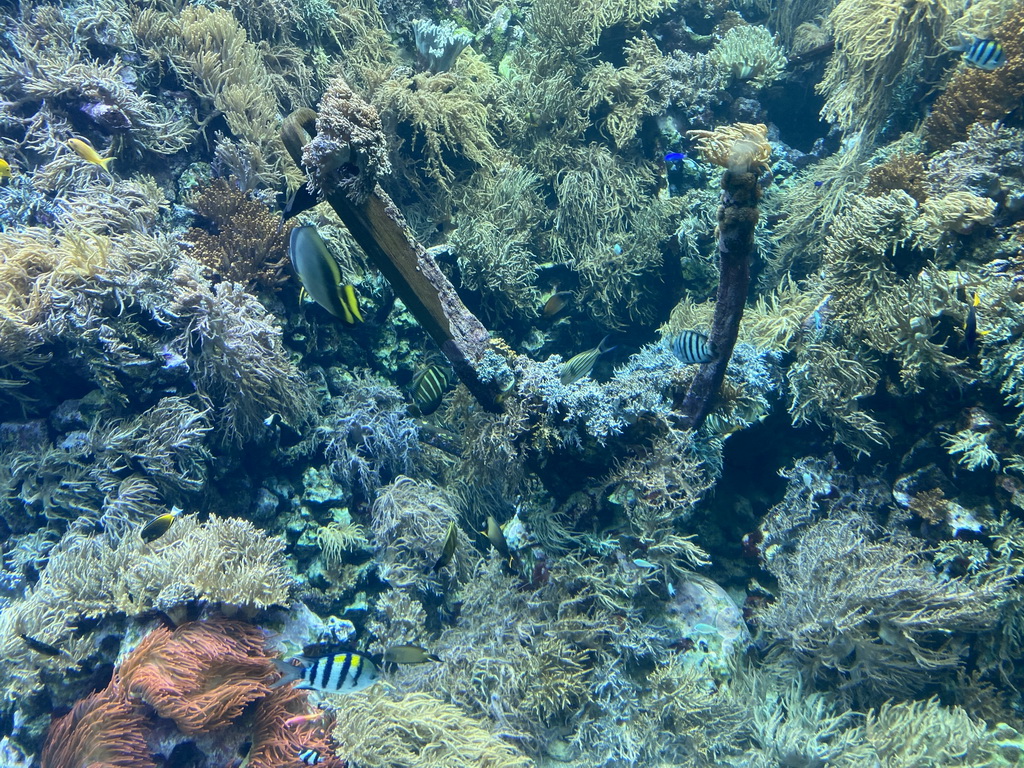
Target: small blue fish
[[617, 249], [982, 53], [674, 157], [818, 183]]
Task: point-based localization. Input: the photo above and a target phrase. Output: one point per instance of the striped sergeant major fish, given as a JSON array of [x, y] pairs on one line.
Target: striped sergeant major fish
[[428, 387], [342, 673], [582, 364], [983, 53], [691, 347], [310, 757]]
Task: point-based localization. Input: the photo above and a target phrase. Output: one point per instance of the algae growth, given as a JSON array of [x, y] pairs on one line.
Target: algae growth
[[775, 515]]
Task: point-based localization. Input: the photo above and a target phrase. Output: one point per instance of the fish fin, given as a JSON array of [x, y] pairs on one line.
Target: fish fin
[[977, 300], [104, 163], [352, 302], [602, 349]]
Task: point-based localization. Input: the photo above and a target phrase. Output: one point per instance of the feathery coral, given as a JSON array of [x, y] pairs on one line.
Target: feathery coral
[[202, 675], [104, 729]]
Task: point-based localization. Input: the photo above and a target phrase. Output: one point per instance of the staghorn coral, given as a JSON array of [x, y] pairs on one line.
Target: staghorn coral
[[976, 95], [751, 54], [240, 240], [202, 675], [417, 730]]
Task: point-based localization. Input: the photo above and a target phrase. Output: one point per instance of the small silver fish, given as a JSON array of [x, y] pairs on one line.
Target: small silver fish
[[408, 654], [582, 364], [691, 347], [342, 673]]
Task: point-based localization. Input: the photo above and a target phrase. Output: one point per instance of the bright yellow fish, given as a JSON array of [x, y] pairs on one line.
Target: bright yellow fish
[[85, 151], [5, 169]]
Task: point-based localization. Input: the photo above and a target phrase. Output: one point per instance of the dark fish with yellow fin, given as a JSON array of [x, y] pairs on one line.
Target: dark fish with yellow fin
[[87, 152], [971, 331], [408, 654], [451, 539], [321, 276], [582, 364], [159, 525], [496, 536], [341, 673], [428, 387]]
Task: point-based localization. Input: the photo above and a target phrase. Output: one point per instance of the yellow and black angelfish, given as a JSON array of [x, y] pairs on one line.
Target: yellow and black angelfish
[[321, 276]]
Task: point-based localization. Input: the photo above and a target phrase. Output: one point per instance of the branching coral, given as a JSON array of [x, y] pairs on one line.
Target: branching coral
[[880, 46], [417, 730], [750, 53], [977, 95], [239, 239], [870, 610], [632, 92]]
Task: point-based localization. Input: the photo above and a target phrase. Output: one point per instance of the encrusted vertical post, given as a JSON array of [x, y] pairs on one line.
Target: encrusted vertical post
[[342, 148], [743, 149]]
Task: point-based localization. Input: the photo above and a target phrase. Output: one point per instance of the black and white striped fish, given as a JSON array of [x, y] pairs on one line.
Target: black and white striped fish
[[582, 364], [343, 673], [310, 757], [982, 53], [691, 347], [428, 387]]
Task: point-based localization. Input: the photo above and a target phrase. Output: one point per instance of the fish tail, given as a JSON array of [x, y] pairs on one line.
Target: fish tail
[[352, 302], [104, 163], [977, 299], [602, 349], [289, 671]]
